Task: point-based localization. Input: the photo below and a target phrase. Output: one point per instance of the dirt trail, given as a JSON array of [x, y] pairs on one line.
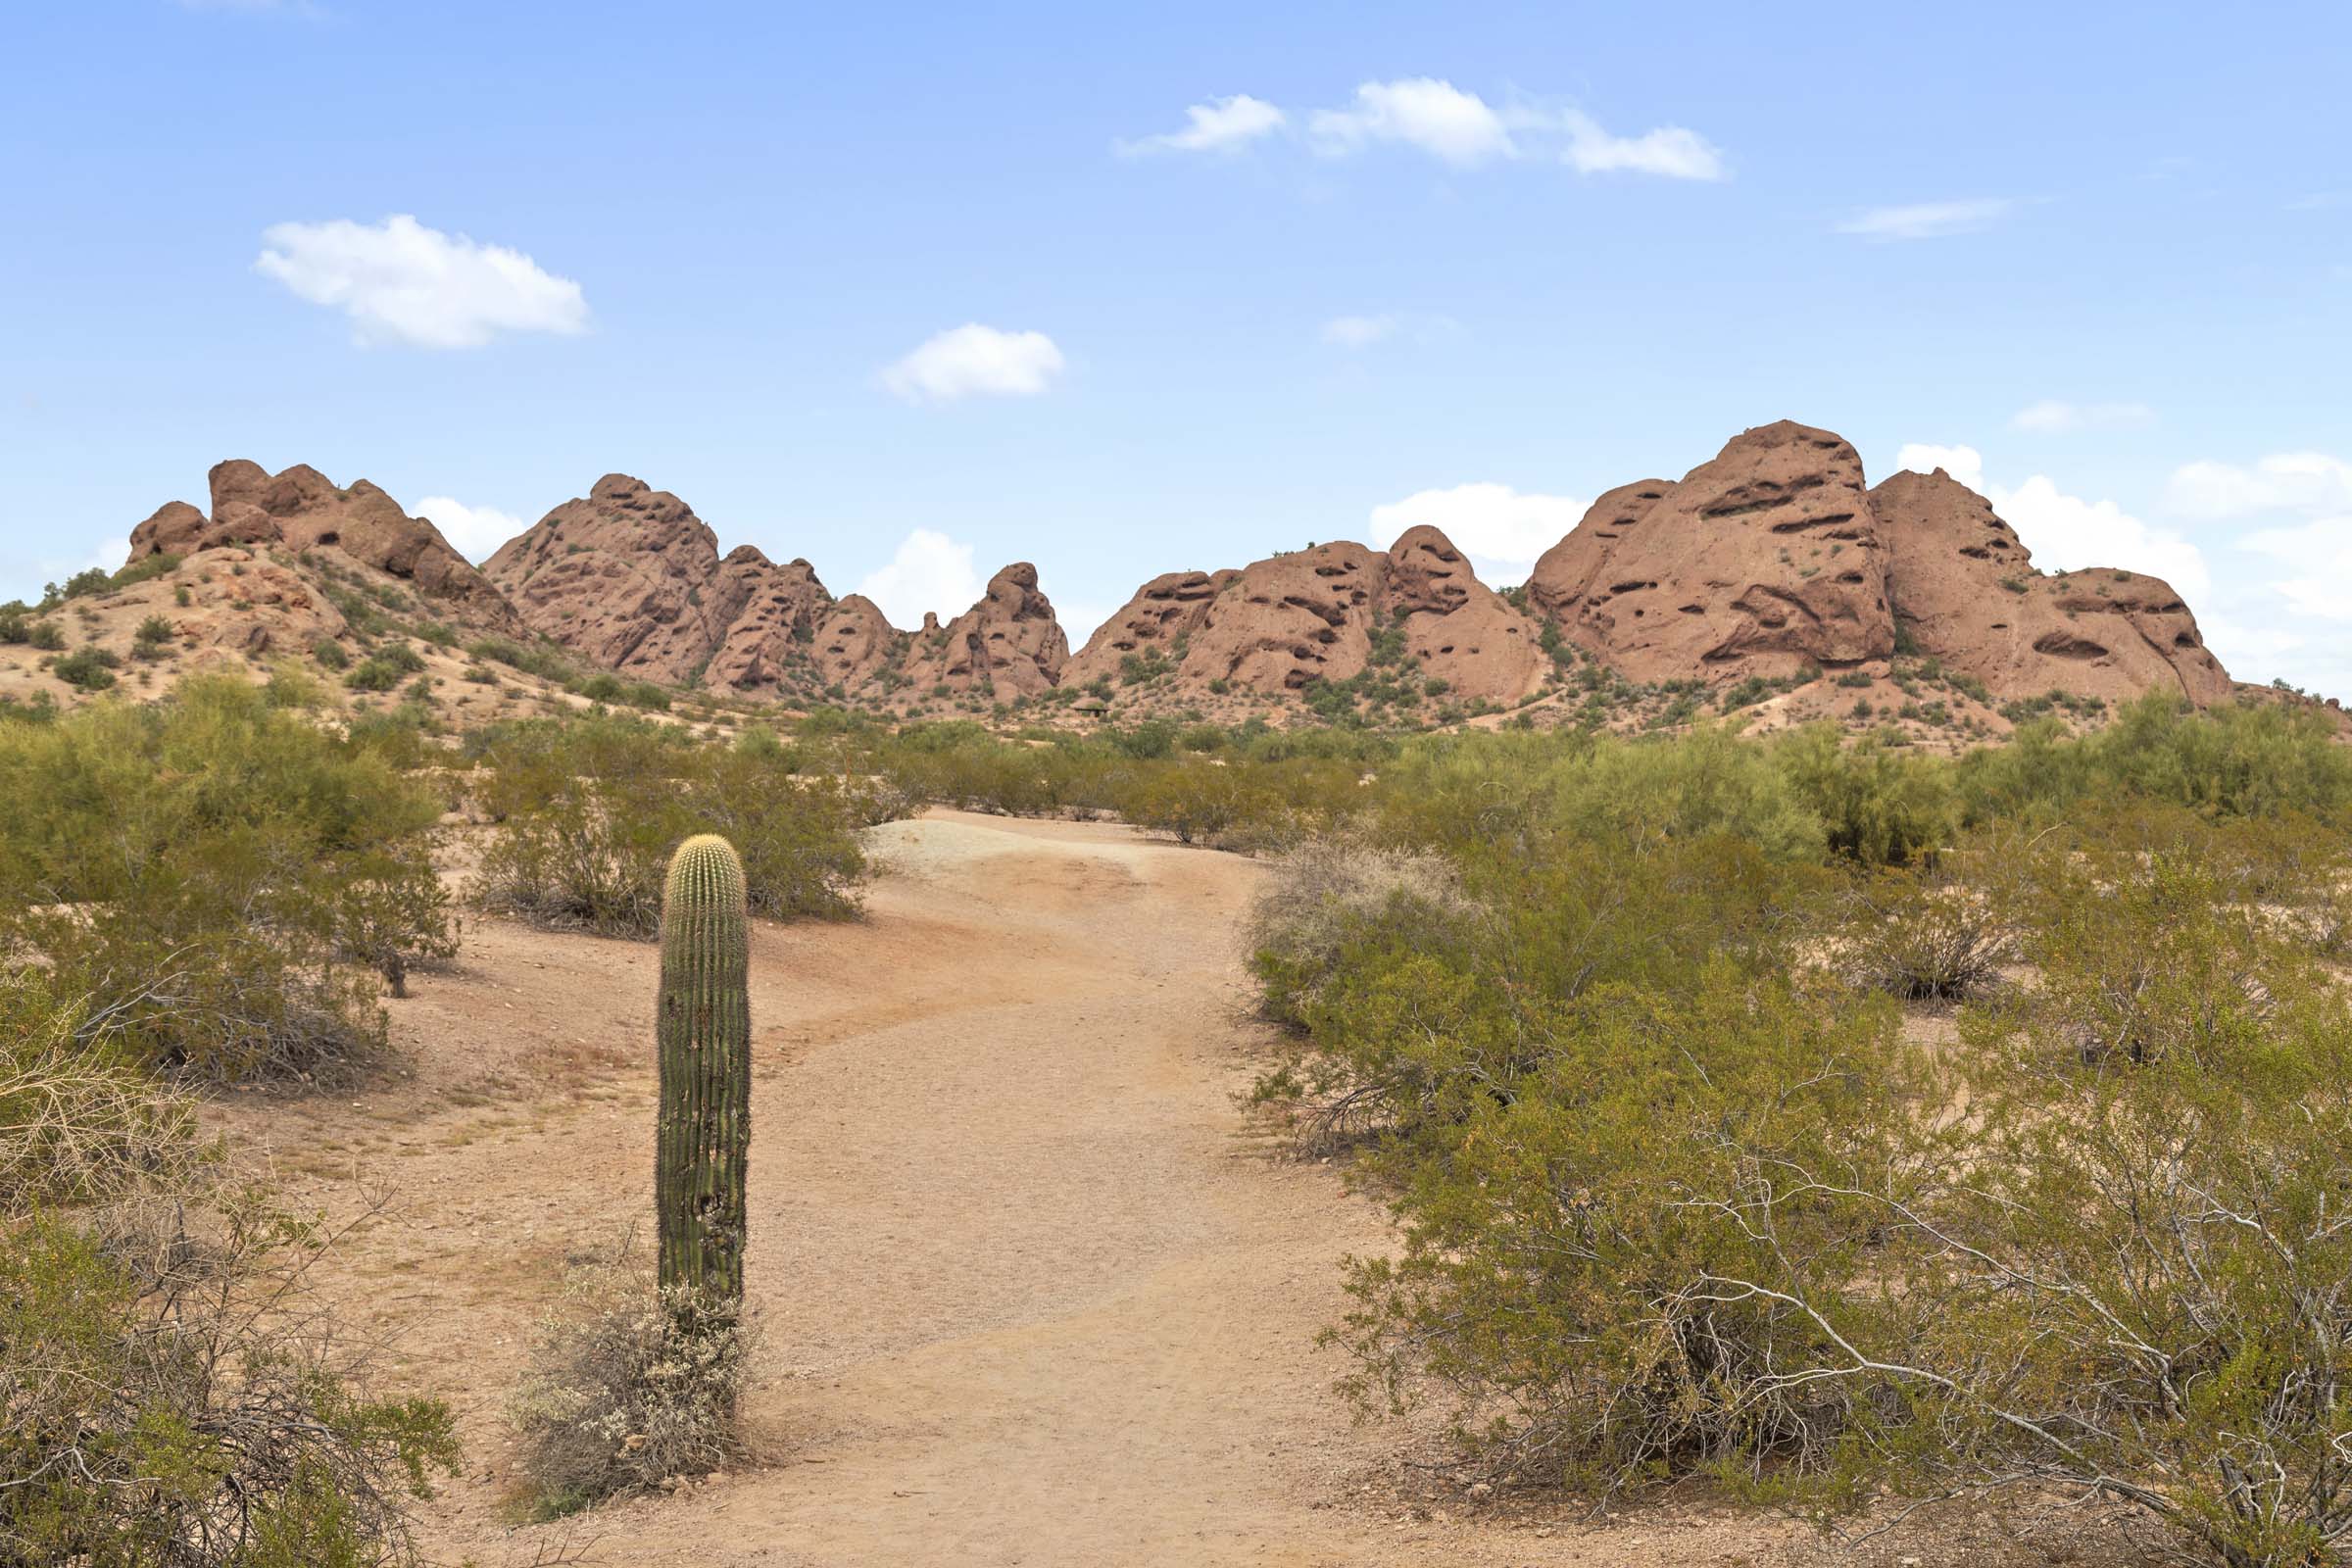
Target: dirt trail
[[1032, 1296]]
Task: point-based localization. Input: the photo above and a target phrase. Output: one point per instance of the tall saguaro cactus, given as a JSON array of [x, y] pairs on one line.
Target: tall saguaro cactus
[[704, 1029]]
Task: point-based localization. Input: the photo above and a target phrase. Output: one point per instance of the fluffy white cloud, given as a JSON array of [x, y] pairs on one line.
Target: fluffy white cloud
[[2066, 532], [2052, 416], [1358, 331], [474, 532], [1437, 117], [1501, 529], [1927, 219], [1669, 151], [400, 281], [1220, 125], [973, 361], [2284, 481], [930, 571]]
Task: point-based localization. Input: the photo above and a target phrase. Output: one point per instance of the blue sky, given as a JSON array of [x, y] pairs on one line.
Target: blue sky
[[1234, 277]]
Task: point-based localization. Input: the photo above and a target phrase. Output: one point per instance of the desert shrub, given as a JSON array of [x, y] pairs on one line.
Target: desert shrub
[[81, 1122], [152, 637], [329, 654], [601, 687], [587, 811], [169, 1392], [221, 879], [90, 669], [1922, 936], [1558, 1283], [629, 1386], [1426, 1007], [1327, 894], [47, 636], [1196, 799], [372, 674], [1878, 805]]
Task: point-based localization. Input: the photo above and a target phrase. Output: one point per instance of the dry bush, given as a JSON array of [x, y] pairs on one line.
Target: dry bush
[[171, 1396], [630, 1386], [1923, 938], [1327, 892]]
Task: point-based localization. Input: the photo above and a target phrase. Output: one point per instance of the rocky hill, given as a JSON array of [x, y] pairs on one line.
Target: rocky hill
[[1770, 577]]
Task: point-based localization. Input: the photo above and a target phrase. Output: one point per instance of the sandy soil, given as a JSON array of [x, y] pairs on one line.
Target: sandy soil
[[1032, 1294]]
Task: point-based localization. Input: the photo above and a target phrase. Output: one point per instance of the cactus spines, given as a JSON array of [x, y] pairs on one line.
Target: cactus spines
[[704, 1030]]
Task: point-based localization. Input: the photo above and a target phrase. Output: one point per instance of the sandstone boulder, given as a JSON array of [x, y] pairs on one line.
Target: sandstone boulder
[[1762, 562], [1965, 587], [1281, 624], [1008, 642]]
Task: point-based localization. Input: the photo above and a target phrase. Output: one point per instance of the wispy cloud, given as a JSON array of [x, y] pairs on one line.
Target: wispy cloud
[[975, 361], [1219, 125], [1928, 219], [1450, 123], [401, 282], [2055, 417], [1671, 152], [1358, 331], [2306, 482]]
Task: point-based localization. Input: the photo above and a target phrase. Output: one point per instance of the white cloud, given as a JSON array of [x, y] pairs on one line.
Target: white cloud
[[1220, 125], [1358, 331], [474, 532], [2283, 482], [1669, 151], [400, 281], [2052, 416], [1437, 117], [930, 571], [2066, 532], [1927, 219], [1450, 124], [2320, 555], [971, 361], [1080, 620], [1501, 529]]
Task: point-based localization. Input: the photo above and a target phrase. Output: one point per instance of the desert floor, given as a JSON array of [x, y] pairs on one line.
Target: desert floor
[[1032, 1291]]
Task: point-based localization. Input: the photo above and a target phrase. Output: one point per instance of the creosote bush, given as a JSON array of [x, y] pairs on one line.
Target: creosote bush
[[585, 814], [229, 884], [1680, 1198]]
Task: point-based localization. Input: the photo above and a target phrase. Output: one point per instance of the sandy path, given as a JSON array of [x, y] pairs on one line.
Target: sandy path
[[1032, 1296]]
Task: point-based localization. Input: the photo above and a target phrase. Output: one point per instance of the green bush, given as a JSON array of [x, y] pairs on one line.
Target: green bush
[[224, 880], [91, 669], [587, 811], [152, 637]]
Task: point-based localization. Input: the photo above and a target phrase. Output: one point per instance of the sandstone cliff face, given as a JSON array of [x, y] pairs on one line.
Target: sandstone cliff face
[[1279, 626], [1761, 563], [303, 509], [1169, 607], [1008, 642], [622, 577], [1964, 584]]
